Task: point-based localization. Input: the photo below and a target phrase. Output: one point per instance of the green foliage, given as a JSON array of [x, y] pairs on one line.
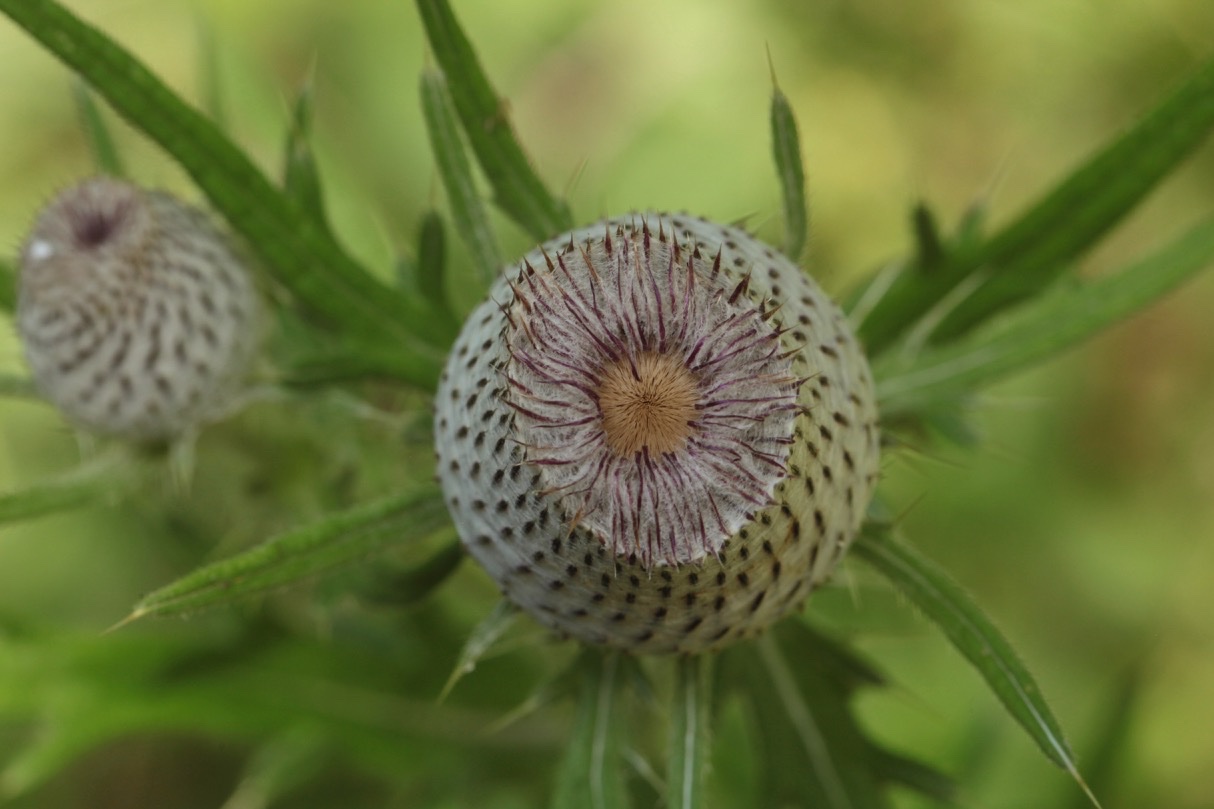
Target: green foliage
[[518, 191], [302, 256], [1054, 322], [591, 774], [810, 748], [690, 736], [105, 153], [300, 174], [972, 634], [786, 149], [299, 554], [359, 696], [93, 482], [1043, 242], [471, 221]]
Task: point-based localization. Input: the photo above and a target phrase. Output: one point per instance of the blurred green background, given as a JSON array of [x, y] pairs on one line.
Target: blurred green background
[[1083, 523]]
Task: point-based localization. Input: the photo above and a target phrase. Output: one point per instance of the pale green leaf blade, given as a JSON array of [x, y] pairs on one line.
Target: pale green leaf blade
[[974, 636], [786, 148], [591, 774], [1044, 328], [518, 190], [425, 275], [308, 262], [210, 76], [483, 638], [824, 738], [300, 174], [471, 220], [300, 553], [90, 483], [688, 746], [1040, 244], [101, 141]]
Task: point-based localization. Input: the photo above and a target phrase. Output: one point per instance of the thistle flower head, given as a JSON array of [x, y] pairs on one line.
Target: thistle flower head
[[137, 315], [654, 397], [657, 434]]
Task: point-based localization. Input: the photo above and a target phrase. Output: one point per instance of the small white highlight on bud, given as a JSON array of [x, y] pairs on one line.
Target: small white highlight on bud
[[39, 250]]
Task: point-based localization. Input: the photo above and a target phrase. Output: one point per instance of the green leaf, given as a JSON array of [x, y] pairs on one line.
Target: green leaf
[[105, 153], [471, 221], [486, 634], [424, 277], [1111, 745], [689, 744], [301, 177], [8, 287], [322, 277], [17, 387], [815, 754], [347, 360], [1033, 333], [974, 636], [811, 749], [1026, 255], [89, 483], [518, 191], [929, 248], [299, 554], [786, 148], [210, 84], [591, 774], [405, 587]]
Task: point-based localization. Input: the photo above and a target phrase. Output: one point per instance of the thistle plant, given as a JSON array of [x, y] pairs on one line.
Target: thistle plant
[[659, 438], [137, 316], [638, 434]]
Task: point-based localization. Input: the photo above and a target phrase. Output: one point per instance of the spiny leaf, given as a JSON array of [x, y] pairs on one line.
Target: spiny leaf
[[689, 745], [518, 191], [1024, 257], [786, 147], [298, 554], [89, 483], [425, 275], [812, 751], [320, 274], [105, 153], [832, 773], [1040, 330], [471, 221], [591, 774], [974, 636], [487, 633], [301, 177]]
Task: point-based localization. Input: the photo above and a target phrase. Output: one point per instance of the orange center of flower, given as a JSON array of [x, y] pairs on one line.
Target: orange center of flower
[[647, 405]]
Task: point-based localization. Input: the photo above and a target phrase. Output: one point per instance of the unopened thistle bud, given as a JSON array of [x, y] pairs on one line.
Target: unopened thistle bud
[[138, 316], [657, 434]]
